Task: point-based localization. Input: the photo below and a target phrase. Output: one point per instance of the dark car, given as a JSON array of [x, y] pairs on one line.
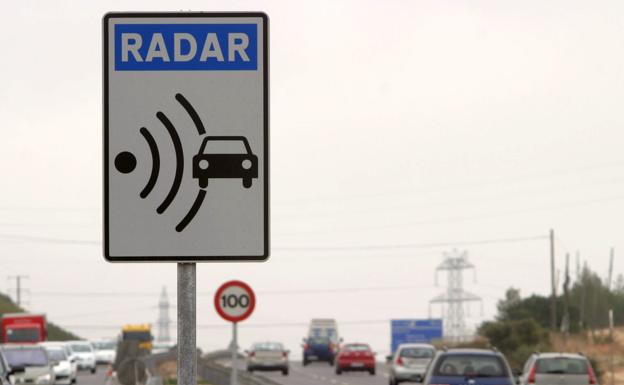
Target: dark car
[[469, 367], [225, 157], [319, 349]]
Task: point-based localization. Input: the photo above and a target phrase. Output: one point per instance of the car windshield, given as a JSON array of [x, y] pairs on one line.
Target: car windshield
[[23, 335], [81, 348], [267, 346], [470, 365], [416, 353], [357, 348], [561, 365], [20, 358], [319, 341], [224, 147], [326, 332], [137, 336], [104, 345], [57, 354]]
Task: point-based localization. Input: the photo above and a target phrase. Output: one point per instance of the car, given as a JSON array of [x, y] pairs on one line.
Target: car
[[355, 357], [63, 369], [469, 366], [321, 349], [85, 355], [104, 351], [72, 357], [557, 368], [267, 356], [231, 158], [410, 362], [30, 364]]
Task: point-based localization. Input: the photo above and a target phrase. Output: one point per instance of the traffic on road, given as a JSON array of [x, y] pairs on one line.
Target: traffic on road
[[28, 358]]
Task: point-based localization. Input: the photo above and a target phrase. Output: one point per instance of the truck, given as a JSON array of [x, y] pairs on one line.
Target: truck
[[142, 333], [23, 328]]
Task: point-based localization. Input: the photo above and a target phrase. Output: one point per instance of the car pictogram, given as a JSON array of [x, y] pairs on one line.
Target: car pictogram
[[231, 157]]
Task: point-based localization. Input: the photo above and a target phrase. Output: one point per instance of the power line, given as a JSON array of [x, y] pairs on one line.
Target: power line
[[243, 325], [317, 248], [415, 245], [467, 218], [402, 205], [260, 292], [454, 186]]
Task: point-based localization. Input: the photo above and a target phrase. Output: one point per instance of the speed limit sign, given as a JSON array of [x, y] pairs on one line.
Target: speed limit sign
[[235, 301]]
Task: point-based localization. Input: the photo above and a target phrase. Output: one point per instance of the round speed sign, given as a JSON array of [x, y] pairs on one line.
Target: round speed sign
[[235, 301]]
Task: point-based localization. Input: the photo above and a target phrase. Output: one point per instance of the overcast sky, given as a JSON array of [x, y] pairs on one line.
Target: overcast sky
[[393, 123]]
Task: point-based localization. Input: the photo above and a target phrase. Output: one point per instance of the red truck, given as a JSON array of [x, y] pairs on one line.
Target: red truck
[[23, 328]]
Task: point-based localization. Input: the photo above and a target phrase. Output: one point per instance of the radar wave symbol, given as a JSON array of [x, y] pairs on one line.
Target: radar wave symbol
[[125, 162]]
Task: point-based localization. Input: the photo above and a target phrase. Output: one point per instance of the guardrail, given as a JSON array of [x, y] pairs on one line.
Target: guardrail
[[208, 369]]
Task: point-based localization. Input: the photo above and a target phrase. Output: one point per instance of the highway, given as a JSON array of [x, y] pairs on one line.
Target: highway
[[86, 378], [323, 374]]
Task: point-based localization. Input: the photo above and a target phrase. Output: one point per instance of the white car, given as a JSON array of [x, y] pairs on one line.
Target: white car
[[71, 357], [29, 364], [62, 365], [85, 355], [105, 351]]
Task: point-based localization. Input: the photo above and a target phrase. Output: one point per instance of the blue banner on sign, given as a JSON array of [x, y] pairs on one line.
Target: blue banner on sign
[[186, 47], [415, 331]]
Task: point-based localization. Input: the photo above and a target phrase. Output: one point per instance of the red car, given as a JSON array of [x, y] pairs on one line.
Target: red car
[[355, 357]]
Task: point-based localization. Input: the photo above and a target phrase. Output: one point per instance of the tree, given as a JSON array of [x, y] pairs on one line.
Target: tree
[[517, 339]]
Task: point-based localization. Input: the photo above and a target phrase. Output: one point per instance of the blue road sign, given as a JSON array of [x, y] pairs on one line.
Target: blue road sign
[[415, 331]]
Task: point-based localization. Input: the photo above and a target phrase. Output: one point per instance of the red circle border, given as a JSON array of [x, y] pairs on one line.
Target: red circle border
[[252, 300]]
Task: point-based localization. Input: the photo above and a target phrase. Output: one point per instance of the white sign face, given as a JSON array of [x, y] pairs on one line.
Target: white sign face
[[186, 137], [235, 301]]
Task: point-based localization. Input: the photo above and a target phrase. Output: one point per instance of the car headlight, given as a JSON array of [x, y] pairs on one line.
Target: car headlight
[[204, 164], [44, 379], [246, 164]]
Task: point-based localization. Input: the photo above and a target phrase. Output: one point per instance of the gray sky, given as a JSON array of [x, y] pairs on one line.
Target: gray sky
[[392, 123]]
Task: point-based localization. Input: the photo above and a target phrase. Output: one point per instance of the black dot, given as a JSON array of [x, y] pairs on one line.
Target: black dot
[[125, 162]]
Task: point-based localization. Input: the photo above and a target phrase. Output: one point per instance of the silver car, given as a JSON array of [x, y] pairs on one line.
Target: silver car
[[267, 356], [29, 364], [409, 362], [558, 369]]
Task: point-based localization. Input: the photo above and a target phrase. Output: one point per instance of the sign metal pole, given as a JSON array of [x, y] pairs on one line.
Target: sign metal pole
[[187, 350], [234, 349]]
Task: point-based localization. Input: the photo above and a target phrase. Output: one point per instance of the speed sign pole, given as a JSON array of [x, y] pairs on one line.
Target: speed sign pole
[[187, 351], [234, 301]]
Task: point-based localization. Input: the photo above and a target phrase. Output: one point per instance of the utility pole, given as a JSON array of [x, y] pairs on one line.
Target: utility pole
[[553, 294], [565, 321], [610, 277], [18, 287]]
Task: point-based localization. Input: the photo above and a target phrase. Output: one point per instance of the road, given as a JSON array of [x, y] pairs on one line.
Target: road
[[323, 374], [86, 378]]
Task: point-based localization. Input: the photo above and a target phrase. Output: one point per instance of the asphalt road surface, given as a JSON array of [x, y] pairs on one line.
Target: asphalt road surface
[[86, 378], [323, 374]]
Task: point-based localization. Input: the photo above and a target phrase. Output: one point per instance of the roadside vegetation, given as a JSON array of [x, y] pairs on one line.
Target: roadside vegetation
[[522, 325]]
